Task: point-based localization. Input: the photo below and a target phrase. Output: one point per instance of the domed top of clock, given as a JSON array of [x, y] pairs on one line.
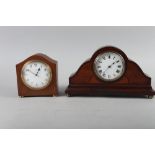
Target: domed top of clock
[[37, 76], [109, 72]]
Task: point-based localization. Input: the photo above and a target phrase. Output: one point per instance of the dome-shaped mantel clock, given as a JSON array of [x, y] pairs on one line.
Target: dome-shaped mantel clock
[[110, 73], [37, 76]]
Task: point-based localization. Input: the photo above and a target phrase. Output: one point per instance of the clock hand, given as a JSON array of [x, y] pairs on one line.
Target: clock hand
[[110, 66], [38, 71], [31, 72], [106, 69], [114, 62]]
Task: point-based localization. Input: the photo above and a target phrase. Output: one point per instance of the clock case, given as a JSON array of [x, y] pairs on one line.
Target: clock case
[[50, 90], [133, 83]]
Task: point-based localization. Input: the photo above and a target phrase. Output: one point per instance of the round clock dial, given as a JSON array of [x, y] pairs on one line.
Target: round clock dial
[[36, 75], [109, 66]]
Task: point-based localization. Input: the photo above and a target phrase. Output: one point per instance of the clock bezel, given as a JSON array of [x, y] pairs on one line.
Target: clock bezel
[[109, 80], [33, 88]]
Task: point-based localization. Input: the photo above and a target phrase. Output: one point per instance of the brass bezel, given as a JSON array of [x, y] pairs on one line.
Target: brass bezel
[[110, 80], [23, 79]]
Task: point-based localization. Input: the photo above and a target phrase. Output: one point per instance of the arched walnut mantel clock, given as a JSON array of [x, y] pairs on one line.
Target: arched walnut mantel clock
[[37, 76], [110, 73]]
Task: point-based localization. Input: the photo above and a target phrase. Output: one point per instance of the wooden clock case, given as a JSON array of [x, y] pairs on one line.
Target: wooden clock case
[[50, 90], [133, 83]]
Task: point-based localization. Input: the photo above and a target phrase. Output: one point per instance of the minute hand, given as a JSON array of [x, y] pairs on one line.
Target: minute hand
[[110, 66], [31, 72]]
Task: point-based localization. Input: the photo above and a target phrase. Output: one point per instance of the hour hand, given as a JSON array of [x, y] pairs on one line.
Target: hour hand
[[38, 71]]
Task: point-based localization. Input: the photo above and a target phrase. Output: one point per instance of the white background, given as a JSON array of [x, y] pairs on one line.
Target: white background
[[133, 12], [71, 46]]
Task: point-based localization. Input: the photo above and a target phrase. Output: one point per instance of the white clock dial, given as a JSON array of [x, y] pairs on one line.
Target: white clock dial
[[36, 75], [109, 66]]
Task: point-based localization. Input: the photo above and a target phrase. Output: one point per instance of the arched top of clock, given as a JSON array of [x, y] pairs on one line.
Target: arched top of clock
[[39, 56], [90, 62], [109, 49]]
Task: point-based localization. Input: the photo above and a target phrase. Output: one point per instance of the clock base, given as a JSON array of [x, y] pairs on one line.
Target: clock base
[[147, 92]]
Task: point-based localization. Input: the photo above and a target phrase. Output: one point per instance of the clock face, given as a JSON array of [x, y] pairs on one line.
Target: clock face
[[36, 75], [109, 66]]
